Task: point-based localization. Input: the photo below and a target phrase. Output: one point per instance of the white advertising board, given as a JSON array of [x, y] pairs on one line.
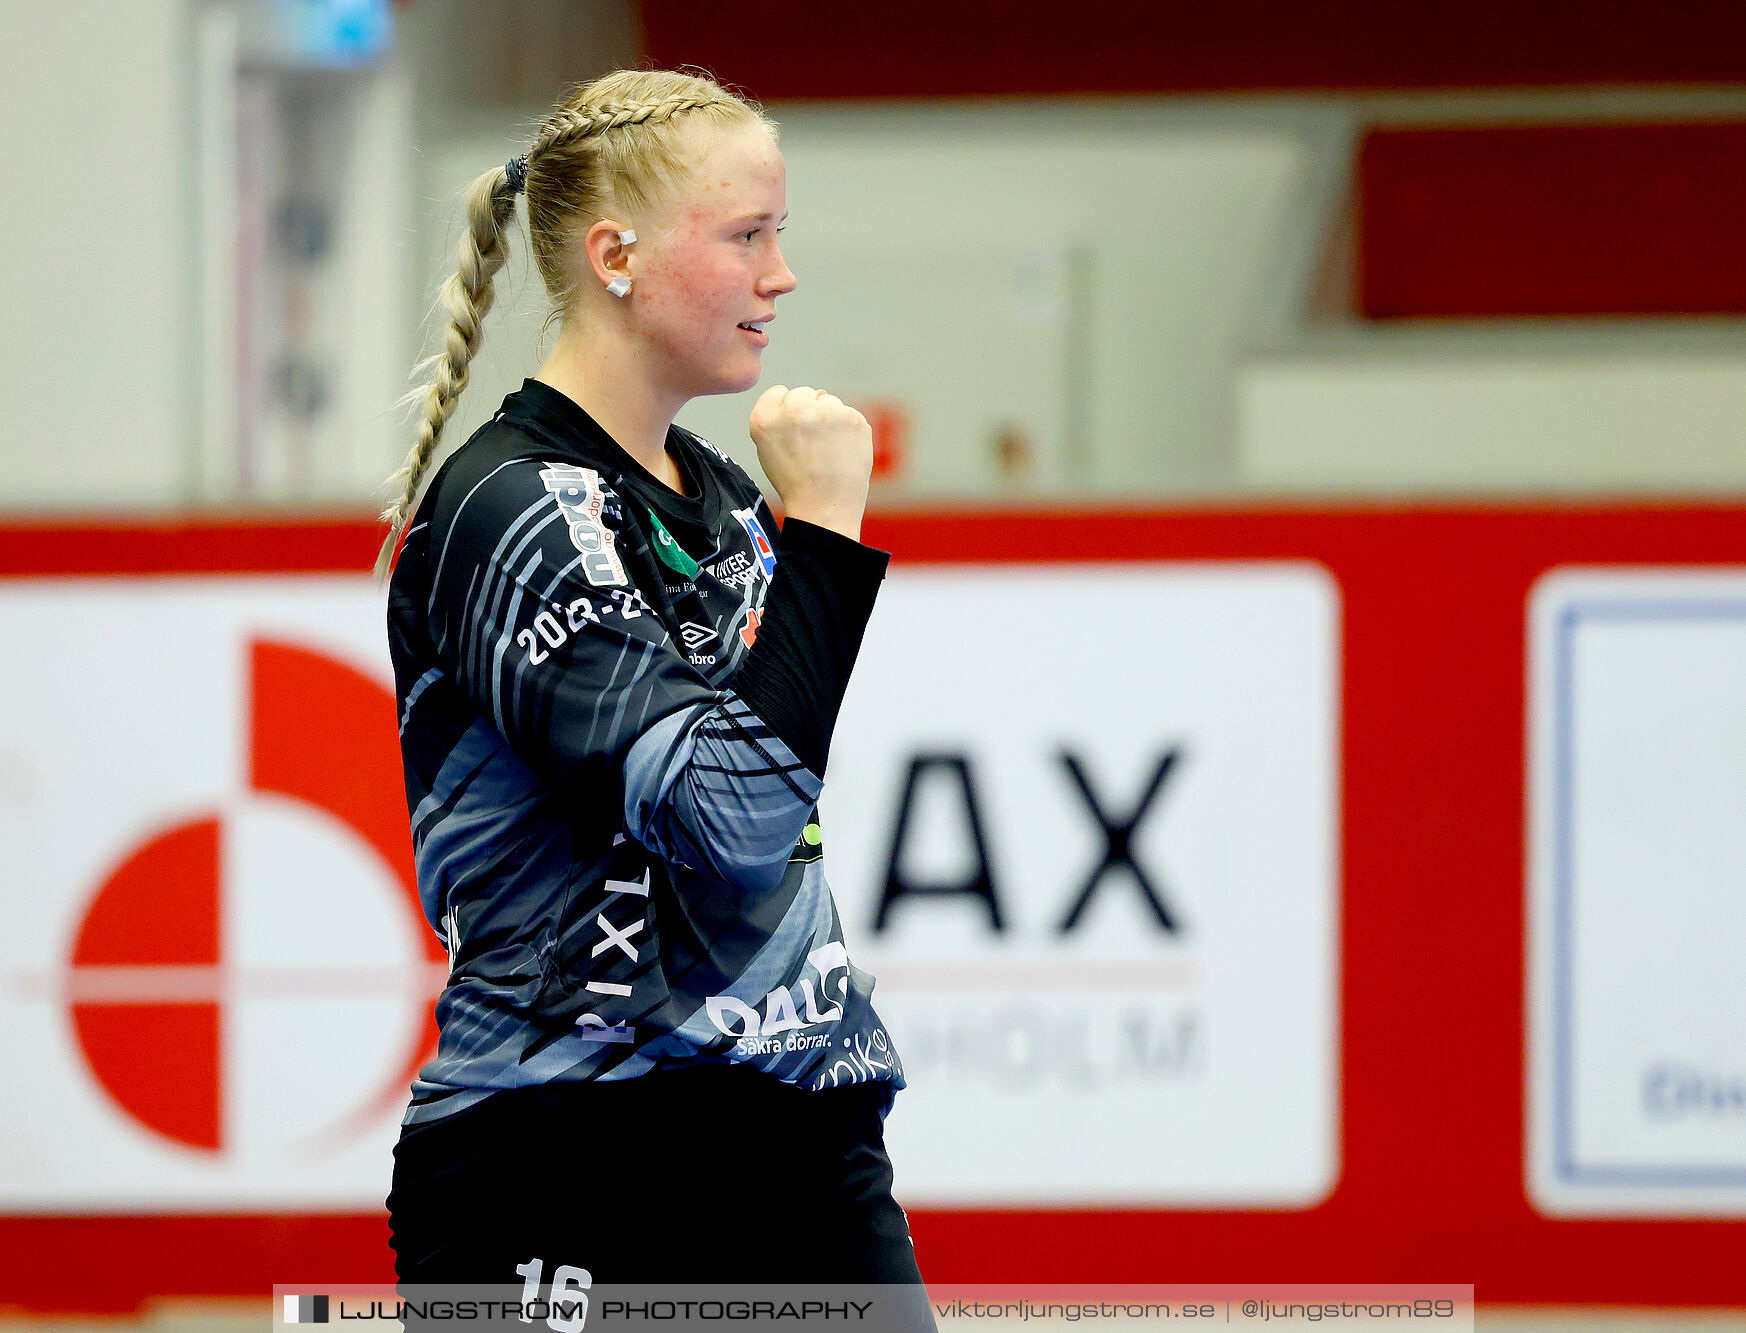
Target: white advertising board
[[212, 977], [1637, 925], [209, 988], [1076, 1027]]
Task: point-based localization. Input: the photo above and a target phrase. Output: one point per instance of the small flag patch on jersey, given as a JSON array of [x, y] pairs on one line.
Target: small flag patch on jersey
[[306, 1309], [761, 547]]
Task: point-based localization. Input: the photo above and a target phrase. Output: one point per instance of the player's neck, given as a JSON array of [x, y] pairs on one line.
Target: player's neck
[[603, 379]]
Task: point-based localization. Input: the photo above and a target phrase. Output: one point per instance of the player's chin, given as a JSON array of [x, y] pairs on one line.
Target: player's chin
[[741, 375]]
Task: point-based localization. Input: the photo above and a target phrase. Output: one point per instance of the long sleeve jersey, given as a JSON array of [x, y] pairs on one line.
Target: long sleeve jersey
[[615, 711]]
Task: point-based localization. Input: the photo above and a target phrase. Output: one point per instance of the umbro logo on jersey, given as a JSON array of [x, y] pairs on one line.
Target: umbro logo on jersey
[[695, 634]]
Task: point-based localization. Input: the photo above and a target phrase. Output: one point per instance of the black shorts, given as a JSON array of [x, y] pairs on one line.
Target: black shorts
[[703, 1174]]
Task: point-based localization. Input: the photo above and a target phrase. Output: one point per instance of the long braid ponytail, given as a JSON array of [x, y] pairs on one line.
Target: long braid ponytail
[[483, 247]]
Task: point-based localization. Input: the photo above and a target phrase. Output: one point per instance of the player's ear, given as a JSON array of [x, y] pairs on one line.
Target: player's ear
[[608, 245]]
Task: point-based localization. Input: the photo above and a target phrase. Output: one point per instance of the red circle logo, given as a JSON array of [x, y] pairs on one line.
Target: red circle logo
[[216, 963]]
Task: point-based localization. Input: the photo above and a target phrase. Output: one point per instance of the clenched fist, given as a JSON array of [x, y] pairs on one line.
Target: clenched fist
[[818, 453]]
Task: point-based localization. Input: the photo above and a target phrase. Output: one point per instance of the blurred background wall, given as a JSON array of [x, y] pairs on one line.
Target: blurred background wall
[[1512, 272], [1381, 326]]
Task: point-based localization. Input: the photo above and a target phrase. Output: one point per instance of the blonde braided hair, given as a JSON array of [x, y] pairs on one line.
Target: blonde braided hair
[[570, 123], [577, 171], [468, 297]]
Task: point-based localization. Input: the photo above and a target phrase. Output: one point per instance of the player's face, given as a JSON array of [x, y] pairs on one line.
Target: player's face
[[713, 266]]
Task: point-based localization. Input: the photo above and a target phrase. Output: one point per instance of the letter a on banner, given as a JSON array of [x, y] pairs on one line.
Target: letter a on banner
[[980, 883]]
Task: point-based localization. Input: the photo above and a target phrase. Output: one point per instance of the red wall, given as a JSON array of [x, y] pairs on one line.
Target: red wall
[[1432, 1110], [1553, 220], [957, 48]]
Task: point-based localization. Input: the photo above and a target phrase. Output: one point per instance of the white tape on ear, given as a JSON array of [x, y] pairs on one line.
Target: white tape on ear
[[619, 285], [628, 237]]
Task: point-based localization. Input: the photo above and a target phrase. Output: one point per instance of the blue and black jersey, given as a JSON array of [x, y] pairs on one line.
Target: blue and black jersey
[[615, 711]]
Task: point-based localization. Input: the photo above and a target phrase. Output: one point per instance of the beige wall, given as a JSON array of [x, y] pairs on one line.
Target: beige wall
[[1555, 414], [95, 132]]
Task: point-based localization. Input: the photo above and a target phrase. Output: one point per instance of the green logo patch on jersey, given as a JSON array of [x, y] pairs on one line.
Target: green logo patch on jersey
[[672, 554], [811, 844]]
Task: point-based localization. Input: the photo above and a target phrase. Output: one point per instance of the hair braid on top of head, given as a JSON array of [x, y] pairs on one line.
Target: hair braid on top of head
[[577, 173], [568, 124]]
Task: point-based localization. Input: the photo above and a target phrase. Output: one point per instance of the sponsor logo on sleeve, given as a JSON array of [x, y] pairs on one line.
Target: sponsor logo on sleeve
[[582, 499]]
